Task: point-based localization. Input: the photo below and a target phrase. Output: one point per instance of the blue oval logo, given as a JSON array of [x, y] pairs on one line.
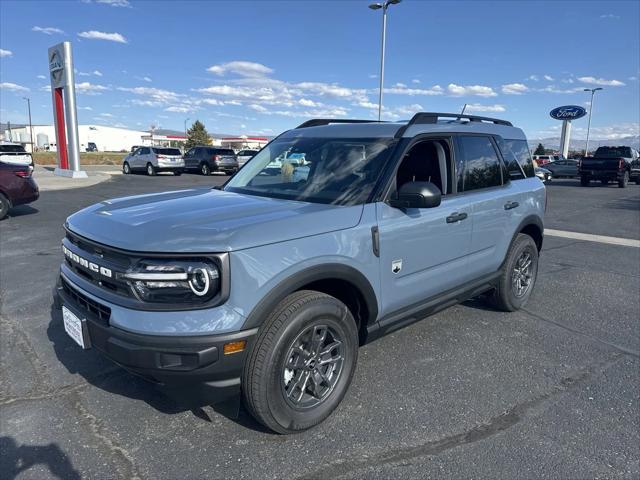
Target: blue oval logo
[[568, 112]]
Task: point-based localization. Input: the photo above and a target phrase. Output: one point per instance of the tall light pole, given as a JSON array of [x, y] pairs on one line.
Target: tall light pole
[[593, 91], [384, 6], [30, 125], [185, 133]]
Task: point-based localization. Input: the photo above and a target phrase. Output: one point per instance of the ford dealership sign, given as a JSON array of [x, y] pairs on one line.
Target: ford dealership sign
[[568, 112]]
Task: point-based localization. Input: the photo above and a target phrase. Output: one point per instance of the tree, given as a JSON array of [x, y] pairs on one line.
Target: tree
[[197, 135], [539, 150]]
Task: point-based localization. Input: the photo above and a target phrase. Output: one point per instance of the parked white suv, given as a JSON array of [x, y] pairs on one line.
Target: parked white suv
[[153, 160]]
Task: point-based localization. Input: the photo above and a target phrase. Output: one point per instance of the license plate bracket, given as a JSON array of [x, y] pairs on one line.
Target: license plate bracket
[[76, 328]]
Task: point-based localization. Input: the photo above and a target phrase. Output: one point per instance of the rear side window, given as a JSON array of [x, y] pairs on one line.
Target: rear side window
[[520, 148], [144, 151], [478, 165], [167, 151], [222, 151]]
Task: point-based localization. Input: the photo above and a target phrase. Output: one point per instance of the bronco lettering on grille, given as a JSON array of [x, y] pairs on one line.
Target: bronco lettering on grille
[[83, 262]]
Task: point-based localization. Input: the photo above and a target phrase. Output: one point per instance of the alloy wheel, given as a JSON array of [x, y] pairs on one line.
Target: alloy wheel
[[312, 367], [522, 275]]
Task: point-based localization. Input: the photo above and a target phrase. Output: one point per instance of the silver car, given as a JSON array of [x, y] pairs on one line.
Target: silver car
[[244, 156], [153, 160]]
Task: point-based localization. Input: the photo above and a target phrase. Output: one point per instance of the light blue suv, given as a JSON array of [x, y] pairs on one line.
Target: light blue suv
[[266, 286]]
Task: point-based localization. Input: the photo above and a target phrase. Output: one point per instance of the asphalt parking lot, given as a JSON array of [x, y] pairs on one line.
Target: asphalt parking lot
[[548, 392]]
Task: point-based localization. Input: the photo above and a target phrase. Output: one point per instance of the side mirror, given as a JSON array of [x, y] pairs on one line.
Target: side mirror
[[417, 195]]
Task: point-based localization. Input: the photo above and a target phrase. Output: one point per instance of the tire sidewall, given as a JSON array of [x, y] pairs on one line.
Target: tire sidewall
[[324, 311], [521, 244], [126, 168], [5, 205], [150, 170], [204, 169]]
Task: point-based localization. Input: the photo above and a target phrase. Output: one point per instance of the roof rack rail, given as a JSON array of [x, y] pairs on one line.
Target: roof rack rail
[[317, 122], [433, 117]]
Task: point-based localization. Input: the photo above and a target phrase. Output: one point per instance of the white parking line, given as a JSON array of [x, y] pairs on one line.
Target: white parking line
[[627, 242]]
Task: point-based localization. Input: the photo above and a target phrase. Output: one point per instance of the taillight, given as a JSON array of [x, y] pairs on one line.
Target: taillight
[[23, 173], [216, 158], [621, 164]]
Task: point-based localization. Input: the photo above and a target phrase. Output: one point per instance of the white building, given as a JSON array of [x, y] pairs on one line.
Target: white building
[[106, 139], [243, 142]]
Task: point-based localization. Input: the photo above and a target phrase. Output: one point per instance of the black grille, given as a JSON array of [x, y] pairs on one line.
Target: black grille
[[85, 303], [103, 256]]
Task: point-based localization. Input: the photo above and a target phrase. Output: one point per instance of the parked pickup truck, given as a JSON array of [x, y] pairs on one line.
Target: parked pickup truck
[[619, 164]]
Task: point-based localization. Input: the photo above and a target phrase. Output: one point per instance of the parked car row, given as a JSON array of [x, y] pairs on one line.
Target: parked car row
[[203, 159]]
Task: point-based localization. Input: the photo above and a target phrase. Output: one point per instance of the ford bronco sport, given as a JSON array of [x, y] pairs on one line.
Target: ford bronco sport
[[266, 286]]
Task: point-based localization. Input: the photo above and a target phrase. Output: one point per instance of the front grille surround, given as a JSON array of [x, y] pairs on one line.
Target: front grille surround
[[84, 303]]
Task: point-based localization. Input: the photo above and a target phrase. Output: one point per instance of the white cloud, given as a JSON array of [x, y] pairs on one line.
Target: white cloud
[[601, 81], [478, 90], [13, 87], [535, 78], [400, 85], [41, 77], [514, 88], [633, 78], [97, 73], [181, 109], [242, 68], [88, 88], [211, 101], [610, 16], [548, 78], [95, 35], [305, 102], [258, 108], [85, 108], [435, 90], [156, 95], [609, 132], [107, 115], [477, 107], [415, 80], [147, 79], [47, 30], [373, 75], [5, 53], [112, 3], [554, 89]]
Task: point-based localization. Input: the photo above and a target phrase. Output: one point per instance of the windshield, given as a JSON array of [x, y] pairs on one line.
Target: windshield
[[167, 151], [611, 152], [12, 149], [321, 170]]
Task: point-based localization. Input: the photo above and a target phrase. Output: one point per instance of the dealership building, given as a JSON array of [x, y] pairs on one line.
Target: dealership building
[[113, 139]]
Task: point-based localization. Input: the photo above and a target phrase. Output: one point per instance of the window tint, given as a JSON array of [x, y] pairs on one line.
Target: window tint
[[520, 149], [144, 151], [12, 149], [167, 151], [480, 162], [513, 167], [224, 151]]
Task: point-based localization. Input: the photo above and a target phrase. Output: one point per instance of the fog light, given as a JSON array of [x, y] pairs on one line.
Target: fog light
[[234, 347]]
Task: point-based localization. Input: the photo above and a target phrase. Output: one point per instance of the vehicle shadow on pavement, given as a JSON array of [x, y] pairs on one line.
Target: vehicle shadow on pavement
[[102, 373], [15, 459], [22, 210]]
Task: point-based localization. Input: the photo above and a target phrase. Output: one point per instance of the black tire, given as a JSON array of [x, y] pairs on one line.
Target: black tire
[[126, 168], [151, 170], [604, 182], [505, 297], [177, 173], [637, 180], [205, 169], [584, 181], [623, 182], [5, 205], [264, 379]]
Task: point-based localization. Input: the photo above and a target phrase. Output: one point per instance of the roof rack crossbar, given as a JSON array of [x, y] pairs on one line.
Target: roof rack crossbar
[[422, 118], [317, 122]]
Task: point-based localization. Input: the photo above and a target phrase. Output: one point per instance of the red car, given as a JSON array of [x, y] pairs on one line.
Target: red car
[[17, 186]]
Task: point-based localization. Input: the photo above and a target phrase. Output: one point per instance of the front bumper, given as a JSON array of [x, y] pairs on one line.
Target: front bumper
[[196, 365]]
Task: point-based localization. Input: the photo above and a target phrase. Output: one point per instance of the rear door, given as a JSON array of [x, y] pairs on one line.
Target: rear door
[[483, 180], [189, 158]]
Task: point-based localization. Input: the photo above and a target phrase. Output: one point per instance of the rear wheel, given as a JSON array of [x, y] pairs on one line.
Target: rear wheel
[[518, 275], [604, 181], [177, 173], [622, 183], [126, 168], [5, 205], [205, 169], [637, 180], [151, 170], [302, 363], [584, 181]]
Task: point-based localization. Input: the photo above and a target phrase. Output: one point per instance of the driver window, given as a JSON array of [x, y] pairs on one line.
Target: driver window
[[427, 161]]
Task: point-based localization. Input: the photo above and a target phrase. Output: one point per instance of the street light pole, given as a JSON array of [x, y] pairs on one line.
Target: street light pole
[[593, 91], [384, 6], [185, 132], [30, 125]]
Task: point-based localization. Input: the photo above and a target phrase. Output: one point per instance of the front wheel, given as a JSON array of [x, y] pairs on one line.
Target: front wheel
[[302, 363], [126, 168], [584, 181], [622, 183], [518, 275], [205, 169], [151, 170]]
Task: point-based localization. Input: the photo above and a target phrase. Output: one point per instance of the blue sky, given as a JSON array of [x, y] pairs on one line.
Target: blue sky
[[261, 67]]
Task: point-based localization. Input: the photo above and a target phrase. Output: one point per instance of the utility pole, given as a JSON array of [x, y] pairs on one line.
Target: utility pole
[[593, 91], [30, 125]]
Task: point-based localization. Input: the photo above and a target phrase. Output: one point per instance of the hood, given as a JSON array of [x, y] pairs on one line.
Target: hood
[[205, 221]]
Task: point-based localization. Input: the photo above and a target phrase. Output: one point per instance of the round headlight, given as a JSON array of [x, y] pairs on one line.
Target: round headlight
[[199, 281]]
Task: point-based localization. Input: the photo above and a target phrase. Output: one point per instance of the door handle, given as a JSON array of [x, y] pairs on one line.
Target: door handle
[[511, 205], [456, 217]]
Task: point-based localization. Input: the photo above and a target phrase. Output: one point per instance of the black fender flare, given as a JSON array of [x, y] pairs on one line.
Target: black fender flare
[[531, 220], [293, 283]]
